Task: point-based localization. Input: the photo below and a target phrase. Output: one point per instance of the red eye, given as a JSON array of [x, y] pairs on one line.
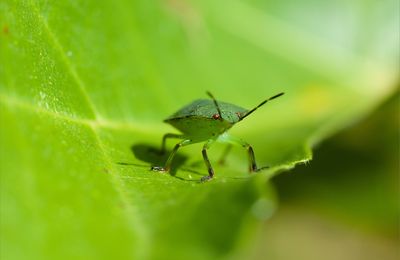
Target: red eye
[[216, 116]]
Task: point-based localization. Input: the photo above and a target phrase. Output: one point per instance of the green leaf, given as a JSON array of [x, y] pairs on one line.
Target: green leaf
[[84, 86]]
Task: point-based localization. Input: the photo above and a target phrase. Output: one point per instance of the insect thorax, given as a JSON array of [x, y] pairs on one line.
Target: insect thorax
[[200, 128]]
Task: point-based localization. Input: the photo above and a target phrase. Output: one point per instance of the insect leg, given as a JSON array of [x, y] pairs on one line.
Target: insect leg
[[225, 154], [252, 160], [164, 140], [167, 164], [207, 161]]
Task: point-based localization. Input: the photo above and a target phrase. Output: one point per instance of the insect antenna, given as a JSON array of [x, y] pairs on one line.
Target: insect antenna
[[261, 104], [216, 104]]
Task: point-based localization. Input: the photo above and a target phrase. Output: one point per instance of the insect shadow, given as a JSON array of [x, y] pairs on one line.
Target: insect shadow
[[152, 155]]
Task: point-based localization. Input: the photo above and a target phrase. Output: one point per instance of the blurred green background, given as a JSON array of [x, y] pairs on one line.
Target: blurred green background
[[345, 203], [85, 85]]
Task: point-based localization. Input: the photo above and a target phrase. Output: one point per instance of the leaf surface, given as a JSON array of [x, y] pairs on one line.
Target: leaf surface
[[85, 85]]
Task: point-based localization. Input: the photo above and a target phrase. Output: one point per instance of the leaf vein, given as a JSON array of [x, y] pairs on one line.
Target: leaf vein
[[71, 69]]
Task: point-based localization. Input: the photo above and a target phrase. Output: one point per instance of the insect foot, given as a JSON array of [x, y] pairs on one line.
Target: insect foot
[[159, 169], [261, 169], [206, 178]]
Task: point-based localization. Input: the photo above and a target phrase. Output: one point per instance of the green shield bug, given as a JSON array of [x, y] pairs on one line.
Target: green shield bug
[[208, 121]]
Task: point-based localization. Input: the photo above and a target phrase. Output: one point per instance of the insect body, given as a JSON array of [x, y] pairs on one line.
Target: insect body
[[208, 121]]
